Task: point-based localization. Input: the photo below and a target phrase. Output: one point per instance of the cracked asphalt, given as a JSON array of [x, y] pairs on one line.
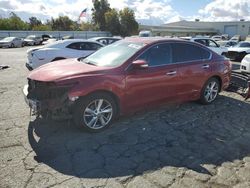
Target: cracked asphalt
[[182, 145]]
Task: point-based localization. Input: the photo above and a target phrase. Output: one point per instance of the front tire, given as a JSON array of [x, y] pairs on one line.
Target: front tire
[[95, 112], [210, 91]]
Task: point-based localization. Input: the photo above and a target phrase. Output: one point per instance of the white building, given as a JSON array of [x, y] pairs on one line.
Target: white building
[[192, 28]]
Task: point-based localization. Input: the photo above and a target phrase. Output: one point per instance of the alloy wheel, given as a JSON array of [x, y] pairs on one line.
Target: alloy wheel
[[98, 114], [211, 91]]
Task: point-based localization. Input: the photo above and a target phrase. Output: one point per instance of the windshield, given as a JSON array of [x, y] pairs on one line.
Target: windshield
[[243, 45], [113, 55], [7, 39]]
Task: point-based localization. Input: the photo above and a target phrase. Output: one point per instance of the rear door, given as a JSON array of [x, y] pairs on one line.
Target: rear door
[[155, 83], [194, 68]]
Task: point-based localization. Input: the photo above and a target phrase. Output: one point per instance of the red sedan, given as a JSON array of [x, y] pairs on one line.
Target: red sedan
[[124, 77]]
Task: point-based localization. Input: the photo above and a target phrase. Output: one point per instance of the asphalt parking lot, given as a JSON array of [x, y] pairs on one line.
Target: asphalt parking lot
[[182, 145]]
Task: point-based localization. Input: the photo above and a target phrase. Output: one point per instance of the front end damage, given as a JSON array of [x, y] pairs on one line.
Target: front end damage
[[240, 83], [47, 99]]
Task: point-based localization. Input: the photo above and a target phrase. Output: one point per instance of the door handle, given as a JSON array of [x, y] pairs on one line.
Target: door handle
[[205, 66], [171, 73]]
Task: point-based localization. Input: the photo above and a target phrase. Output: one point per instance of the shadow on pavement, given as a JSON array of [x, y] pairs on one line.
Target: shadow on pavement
[[188, 135]]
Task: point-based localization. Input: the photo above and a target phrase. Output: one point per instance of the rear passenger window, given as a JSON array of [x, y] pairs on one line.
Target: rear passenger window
[[75, 46], [188, 52], [158, 55], [84, 46], [92, 46]]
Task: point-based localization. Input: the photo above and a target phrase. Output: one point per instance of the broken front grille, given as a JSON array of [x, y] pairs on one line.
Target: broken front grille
[[44, 90]]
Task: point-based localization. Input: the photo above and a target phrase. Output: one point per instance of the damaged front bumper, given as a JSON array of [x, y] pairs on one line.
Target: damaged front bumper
[[35, 105], [55, 108]]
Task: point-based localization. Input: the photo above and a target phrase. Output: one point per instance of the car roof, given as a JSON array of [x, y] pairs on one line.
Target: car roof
[[201, 38], [97, 38], [149, 40]]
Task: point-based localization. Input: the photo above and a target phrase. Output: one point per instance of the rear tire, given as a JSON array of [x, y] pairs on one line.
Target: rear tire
[[210, 91], [95, 112]]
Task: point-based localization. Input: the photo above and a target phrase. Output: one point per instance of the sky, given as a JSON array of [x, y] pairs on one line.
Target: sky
[[147, 12]]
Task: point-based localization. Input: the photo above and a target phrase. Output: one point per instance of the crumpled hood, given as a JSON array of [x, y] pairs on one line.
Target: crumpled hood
[[237, 49], [64, 69]]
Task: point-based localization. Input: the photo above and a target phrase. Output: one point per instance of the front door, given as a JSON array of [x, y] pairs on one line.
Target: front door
[[155, 83]]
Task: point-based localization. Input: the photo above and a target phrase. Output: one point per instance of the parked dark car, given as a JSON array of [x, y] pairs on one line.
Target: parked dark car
[[124, 77], [32, 40]]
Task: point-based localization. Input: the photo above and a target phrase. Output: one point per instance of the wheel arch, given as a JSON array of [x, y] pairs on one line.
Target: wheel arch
[[112, 94], [218, 78]]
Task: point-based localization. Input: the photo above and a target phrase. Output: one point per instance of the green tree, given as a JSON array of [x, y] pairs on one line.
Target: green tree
[[34, 22], [13, 23], [42, 27], [87, 26], [129, 25], [98, 15], [63, 23], [112, 22]]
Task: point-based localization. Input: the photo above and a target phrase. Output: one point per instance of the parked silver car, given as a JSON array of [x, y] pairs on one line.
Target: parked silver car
[[11, 42], [32, 40]]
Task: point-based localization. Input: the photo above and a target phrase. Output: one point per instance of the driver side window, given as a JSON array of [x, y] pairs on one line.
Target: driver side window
[[158, 55]]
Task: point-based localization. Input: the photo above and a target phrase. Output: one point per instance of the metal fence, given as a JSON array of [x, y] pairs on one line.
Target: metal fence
[[56, 34]]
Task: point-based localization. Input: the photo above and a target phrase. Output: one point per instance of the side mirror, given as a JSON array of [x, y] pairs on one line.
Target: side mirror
[[139, 64]]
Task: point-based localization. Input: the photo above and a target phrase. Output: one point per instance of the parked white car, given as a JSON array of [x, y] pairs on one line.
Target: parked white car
[[32, 40], [236, 38], [239, 51], [217, 37], [226, 43], [210, 44], [245, 64], [71, 48], [11, 42], [49, 41]]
